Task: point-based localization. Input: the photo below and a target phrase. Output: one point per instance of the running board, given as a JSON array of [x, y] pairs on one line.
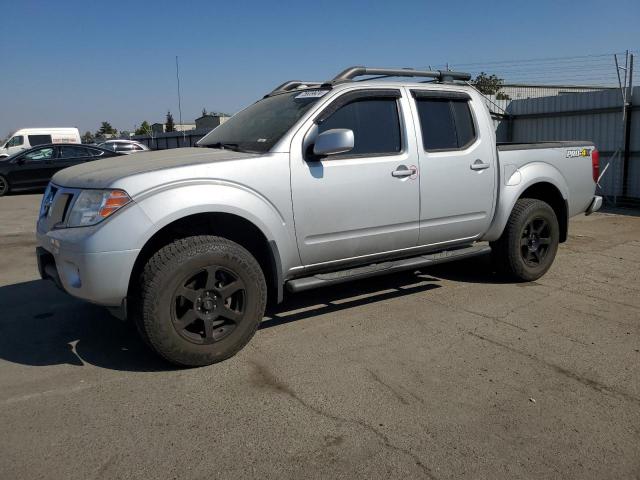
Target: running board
[[427, 260]]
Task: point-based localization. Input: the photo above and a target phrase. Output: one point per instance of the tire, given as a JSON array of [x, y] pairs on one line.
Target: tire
[[529, 242], [4, 186], [201, 300]]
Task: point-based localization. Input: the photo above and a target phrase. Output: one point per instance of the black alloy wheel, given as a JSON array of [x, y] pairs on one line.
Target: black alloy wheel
[[209, 305]]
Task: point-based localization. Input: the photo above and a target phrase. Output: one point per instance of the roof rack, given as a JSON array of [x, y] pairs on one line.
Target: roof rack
[[439, 75], [292, 85], [353, 72]]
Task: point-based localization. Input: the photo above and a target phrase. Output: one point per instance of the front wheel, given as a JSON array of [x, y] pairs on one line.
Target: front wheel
[[202, 299], [529, 243]]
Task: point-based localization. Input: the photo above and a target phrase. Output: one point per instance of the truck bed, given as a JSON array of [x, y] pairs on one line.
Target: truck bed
[[508, 146], [568, 158]]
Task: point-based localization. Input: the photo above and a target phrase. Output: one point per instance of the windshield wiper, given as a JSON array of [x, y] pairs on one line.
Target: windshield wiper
[[225, 146], [231, 146]]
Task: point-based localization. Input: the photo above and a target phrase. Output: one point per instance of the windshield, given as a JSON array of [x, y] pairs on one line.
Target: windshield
[[108, 146], [260, 126]]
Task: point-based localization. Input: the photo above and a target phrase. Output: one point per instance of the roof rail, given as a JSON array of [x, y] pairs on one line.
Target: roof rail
[[292, 85], [439, 75]]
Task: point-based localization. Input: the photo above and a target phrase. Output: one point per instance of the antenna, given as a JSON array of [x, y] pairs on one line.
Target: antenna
[[179, 102]]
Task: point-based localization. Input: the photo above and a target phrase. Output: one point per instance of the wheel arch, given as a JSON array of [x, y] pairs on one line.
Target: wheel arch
[[550, 194], [536, 180], [228, 225]]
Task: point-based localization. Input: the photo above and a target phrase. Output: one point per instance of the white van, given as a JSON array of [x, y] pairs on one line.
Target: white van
[[31, 137]]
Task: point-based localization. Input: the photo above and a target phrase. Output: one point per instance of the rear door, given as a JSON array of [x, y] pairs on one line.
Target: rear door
[[457, 167], [69, 155], [350, 206]]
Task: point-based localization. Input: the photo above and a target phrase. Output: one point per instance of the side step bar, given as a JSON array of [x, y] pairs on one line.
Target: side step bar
[[427, 260]]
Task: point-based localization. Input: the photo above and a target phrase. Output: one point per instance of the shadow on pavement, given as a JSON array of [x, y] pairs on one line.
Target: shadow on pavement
[[471, 270], [40, 326]]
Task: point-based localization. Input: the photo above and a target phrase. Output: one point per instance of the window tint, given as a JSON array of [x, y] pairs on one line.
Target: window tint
[[39, 154], [446, 124], [73, 152], [108, 146], [36, 140], [464, 123], [436, 122], [15, 141], [375, 125], [123, 147], [95, 153]]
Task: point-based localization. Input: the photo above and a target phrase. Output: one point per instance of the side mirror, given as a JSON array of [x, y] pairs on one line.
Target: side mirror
[[331, 142]]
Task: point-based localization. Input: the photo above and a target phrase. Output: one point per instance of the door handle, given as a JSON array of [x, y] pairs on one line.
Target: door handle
[[403, 171], [479, 165]]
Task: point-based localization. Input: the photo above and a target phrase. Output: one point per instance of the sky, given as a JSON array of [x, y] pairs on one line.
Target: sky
[[72, 63]]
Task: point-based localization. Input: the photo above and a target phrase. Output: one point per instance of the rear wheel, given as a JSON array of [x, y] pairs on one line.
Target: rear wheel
[[529, 243], [4, 186], [202, 299]]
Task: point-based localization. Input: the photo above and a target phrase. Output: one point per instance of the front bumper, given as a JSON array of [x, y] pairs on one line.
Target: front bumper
[[595, 205], [101, 278]]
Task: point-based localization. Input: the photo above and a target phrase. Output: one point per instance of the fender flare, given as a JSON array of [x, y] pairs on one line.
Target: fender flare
[[515, 181]]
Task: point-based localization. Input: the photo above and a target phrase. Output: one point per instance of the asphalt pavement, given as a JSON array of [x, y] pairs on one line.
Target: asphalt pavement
[[446, 373]]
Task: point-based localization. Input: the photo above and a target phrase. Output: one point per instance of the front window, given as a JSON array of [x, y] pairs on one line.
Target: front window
[[15, 141], [259, 127], [39, 155], [375, 124]]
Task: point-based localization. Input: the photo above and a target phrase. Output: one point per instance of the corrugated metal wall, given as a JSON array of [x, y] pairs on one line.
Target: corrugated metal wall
[[594, 116]]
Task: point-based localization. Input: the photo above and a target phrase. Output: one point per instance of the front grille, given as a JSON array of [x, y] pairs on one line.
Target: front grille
[[55, 206]]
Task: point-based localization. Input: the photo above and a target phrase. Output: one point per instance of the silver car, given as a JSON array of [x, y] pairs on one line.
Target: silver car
[[315, 184], [124, 146]]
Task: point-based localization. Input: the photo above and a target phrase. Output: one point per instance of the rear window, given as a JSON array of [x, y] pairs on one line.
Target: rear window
[[446, 124], [36, 140], [123, 147], [73, 152], [95, 153]]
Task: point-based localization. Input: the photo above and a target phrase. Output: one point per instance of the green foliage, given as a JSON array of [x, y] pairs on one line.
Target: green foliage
[[143, 129], [106, 129], [88, 137], [170, 125], [487, 84]]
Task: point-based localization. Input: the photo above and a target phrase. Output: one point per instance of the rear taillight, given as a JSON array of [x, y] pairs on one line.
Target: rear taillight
[[595, 164]]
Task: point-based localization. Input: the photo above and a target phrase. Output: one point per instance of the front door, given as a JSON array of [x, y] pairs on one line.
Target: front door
[[457, 167], [33, 168], [354, 205]]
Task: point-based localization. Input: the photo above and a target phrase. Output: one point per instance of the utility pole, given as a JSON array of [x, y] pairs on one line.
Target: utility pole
[[628, 104], [179, 102]]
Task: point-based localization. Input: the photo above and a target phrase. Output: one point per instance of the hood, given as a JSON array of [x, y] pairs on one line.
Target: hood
[[103, 173]]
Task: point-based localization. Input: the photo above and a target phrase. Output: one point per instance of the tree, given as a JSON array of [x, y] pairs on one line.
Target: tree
[[144, 129], [106, 129], [170, 125], [489, 85], [88, 137]]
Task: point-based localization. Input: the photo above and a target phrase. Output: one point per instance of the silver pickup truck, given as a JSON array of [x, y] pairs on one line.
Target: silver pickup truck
[[315, 184]]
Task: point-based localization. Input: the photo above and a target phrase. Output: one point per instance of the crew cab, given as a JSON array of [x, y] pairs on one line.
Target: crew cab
[[315, 184]]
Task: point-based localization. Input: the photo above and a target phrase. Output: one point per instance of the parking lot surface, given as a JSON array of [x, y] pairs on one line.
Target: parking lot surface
[[446, 373]]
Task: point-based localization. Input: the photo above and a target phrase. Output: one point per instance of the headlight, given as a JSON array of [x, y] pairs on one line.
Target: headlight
[[93, 206]]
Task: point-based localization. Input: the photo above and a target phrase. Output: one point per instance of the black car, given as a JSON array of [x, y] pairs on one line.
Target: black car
[[33, 168]]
